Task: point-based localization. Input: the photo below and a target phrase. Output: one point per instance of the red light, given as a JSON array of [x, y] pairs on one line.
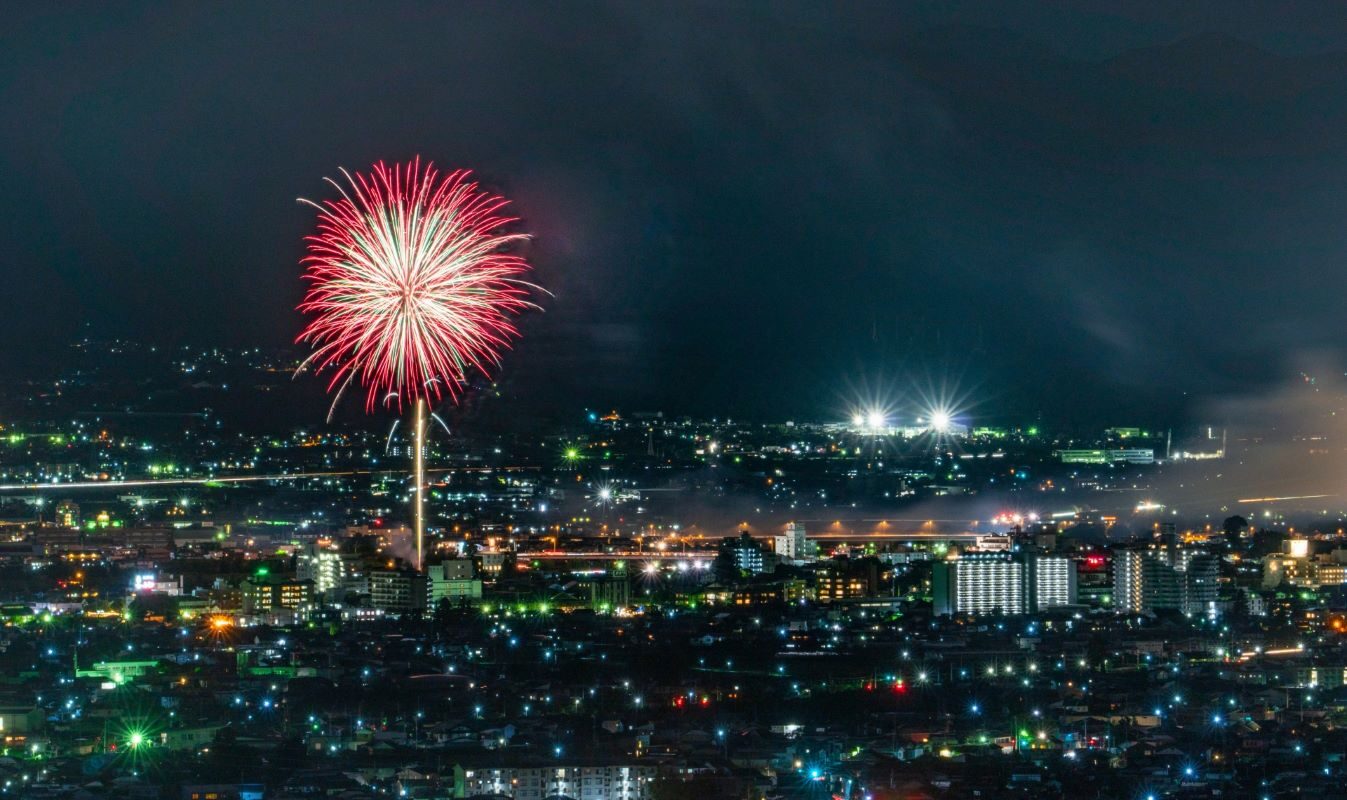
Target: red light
[[900, 688], [706, 701], [678, 701]]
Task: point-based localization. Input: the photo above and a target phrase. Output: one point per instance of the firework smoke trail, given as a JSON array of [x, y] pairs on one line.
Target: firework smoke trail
[[411, 283]]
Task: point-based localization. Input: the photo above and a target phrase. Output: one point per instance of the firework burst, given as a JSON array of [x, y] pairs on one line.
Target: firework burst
[[412, 284]]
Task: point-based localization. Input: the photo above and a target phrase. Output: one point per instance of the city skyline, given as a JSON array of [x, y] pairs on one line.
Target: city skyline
[[916, 400]]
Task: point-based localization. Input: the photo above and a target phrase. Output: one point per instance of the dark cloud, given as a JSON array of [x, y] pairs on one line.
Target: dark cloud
[[1092, 210]]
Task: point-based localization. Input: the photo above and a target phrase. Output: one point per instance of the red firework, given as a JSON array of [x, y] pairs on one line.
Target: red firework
[[412, 283]]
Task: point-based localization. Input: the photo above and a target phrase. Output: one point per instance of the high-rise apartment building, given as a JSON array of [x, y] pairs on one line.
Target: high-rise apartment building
[[792, 546], [1003, 583], [1165, 577]]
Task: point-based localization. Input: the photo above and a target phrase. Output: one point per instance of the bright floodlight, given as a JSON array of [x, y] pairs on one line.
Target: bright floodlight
[[137, 739], [605, 494], [874, 419], [940, 421], [858, 420]]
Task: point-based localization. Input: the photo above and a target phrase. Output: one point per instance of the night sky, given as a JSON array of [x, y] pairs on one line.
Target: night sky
[[1101, 213]]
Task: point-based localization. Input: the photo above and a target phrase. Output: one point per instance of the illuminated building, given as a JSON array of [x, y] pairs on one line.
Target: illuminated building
[[397, 590], [1292, 565], [68, 514], [491, 561], [17, 723], [452, 580], [1054, 581], [745, 552], [980, 583], [266, 593], [1125, 433], [756, 595], [792, 546], [1165, 577], [1297, 566], [117, 672], [1119, 455], [327, 568], [224, 791], [1132, 455], [1330, 573], [189, 738], [842, 580], [455, 569], [535, 782], [1082, 456], [150, 583], [1094, 582], [608, 592], [771, 593], [1003, 583]]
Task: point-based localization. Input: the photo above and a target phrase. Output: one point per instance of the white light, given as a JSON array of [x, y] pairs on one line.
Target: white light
[[940, 421], [874, 419]]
